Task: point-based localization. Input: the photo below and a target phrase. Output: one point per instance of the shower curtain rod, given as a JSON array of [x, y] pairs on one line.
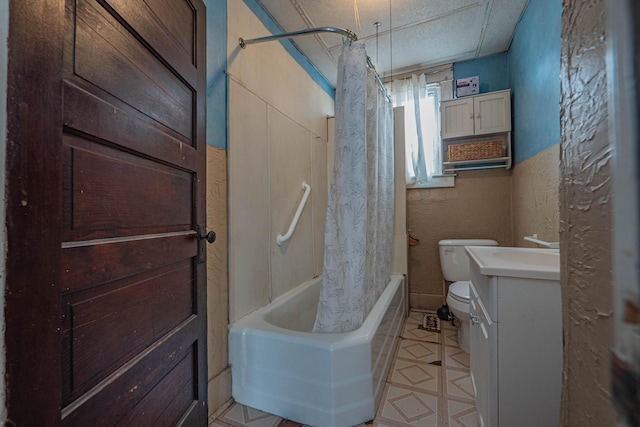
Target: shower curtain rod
[[345, 32]]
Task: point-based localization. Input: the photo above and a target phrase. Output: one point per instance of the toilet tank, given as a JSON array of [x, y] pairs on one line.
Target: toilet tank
[[453, 259]]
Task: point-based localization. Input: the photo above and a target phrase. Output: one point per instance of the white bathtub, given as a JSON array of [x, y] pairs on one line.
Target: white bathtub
[[328, 380]]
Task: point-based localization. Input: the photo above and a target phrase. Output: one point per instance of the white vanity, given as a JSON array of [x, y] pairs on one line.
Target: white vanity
[[516, 336]]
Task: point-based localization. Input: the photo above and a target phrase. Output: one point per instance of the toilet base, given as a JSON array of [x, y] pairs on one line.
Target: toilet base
[[461, 312], [463, 335]]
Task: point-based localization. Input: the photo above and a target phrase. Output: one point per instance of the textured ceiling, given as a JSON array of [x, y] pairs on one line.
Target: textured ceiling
[[424, 33]]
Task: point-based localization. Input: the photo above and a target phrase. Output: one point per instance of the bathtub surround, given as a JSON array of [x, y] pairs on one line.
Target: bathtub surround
[[277, 139], [359, 220]]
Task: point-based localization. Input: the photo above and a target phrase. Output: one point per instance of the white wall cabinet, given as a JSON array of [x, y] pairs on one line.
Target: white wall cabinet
[[516, 350], [476, 115], [477, 119]]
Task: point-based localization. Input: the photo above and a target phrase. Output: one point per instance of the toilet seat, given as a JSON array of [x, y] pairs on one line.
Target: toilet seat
[[460, 291]]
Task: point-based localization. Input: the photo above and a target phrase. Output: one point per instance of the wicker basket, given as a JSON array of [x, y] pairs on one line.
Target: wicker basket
[[474, 151]]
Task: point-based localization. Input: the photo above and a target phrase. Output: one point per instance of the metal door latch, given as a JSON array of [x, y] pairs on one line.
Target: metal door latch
[[203, 238]]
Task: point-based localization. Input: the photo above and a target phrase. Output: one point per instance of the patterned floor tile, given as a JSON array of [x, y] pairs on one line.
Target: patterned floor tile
[[448, 325], [414, 331], [421, 376], [456, 358], [243, 416], [419, 351], [406, 407], [461, 414], [458, 384], [450, 337], [415, 317]]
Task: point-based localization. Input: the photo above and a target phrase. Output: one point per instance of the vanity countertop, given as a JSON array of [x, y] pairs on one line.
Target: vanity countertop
[[529, 263]]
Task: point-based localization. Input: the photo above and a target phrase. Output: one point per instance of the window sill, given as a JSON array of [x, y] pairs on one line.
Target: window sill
[[437, 181]]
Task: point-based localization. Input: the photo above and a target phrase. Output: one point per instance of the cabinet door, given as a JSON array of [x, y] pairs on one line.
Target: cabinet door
[[457, 118], [483, 360], [492, 113]]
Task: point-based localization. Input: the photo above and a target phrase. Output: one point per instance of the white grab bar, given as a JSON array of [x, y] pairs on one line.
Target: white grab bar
[[281, 239], [534, 239]]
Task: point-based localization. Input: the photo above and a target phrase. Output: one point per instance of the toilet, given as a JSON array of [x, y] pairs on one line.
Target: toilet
[[455, 268]]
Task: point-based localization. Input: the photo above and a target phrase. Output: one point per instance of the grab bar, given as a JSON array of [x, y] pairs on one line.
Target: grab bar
[[281, 239], [534, 239]]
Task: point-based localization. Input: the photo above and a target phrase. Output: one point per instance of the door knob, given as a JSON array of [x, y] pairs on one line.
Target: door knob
[[475, 320], [203, 238], [209, 237]]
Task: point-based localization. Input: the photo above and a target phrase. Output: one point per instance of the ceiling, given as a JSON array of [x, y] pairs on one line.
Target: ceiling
[[424, 33]]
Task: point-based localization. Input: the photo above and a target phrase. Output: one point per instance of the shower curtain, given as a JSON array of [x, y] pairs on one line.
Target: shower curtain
[[359, 223]]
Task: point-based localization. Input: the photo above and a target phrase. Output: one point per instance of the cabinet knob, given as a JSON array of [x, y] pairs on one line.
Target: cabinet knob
[[475, 320]]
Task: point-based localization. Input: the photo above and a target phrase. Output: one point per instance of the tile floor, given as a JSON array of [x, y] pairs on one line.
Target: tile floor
[[428, 386]]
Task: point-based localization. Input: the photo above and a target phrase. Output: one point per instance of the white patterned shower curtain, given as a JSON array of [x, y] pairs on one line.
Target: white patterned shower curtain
[[359, 226]]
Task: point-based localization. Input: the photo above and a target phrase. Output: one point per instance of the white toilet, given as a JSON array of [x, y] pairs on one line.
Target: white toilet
[[455, 268]]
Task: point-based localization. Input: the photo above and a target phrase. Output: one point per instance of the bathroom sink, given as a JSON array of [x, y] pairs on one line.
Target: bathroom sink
[[532, 263], [535, 258]]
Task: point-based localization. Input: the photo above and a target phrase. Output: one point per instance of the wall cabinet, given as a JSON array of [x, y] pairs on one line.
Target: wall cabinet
[[477, 119], [516, 350], [476, 115]]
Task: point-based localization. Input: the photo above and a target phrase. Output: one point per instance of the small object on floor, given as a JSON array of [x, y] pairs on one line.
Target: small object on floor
[[445, 314], [431, 322]]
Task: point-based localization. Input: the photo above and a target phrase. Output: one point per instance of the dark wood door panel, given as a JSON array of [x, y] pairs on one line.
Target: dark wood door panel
[[113, 399], [159, 408], [107, 325], [88, 264], [109, 56], [110, 121], [111, 193], [169, 27], [105, 291]]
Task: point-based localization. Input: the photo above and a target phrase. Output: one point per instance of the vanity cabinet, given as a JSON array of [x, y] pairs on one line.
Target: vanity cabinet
[[477, 120], [516, 350], [476, 115]]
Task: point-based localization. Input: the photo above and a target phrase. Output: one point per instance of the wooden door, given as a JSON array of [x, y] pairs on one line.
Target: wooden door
[[105, 288]]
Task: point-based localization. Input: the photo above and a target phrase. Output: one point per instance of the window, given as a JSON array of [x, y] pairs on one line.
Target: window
[[423, 146]]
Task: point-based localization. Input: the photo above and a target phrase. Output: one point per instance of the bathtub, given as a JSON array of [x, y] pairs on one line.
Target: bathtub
[[329, 380]]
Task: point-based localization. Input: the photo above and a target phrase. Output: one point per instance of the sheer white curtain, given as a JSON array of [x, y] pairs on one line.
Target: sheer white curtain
[[422, 127], [359, 224]]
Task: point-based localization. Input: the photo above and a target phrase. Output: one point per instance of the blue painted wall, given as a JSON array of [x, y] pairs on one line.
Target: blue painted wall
[[534, 78], [216, 77], [493, 72], [268, 21], [531, 69]]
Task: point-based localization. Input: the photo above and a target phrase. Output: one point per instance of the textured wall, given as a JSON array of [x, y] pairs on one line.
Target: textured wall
[[217, 280], [534, 198], [585, 217], [479, 207]]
